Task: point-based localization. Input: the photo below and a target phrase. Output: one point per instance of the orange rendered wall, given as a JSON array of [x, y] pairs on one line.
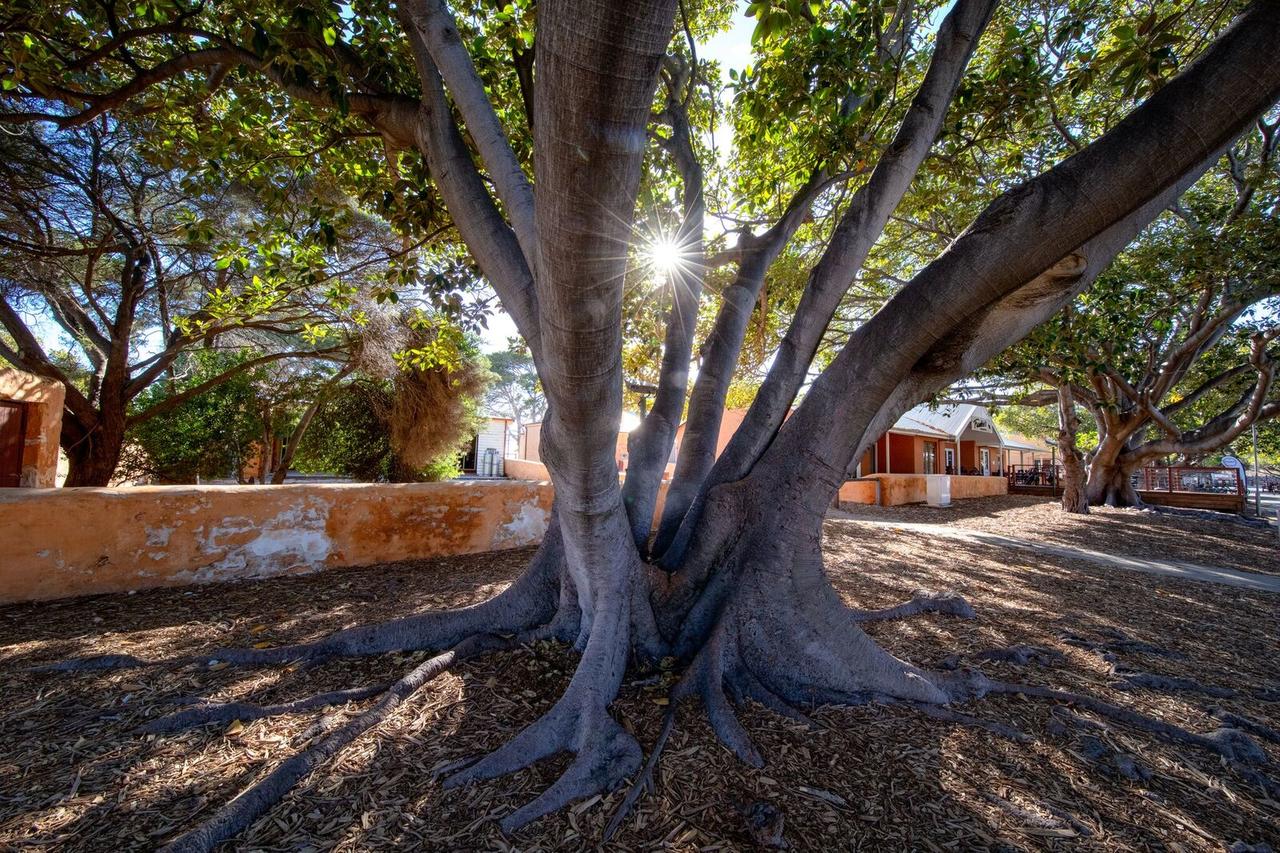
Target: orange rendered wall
[[524, 469], [898, 489], [60, 543]]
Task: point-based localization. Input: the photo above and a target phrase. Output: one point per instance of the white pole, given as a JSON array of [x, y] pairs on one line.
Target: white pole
[[1257, 483]]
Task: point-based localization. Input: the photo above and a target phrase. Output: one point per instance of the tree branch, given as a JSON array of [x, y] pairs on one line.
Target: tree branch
[[172, 402], [438, 30]]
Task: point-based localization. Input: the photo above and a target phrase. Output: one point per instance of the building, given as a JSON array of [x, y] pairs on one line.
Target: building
[[484, 455], [1022, 452], [952, 439], [530, 445], [946, 440], [30, 424]]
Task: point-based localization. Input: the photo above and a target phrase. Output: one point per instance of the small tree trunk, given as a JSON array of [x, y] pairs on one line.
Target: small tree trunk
[[1074, 499]]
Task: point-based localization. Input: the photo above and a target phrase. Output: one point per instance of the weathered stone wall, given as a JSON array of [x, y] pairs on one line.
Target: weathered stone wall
[[898, 489], [69, 542]]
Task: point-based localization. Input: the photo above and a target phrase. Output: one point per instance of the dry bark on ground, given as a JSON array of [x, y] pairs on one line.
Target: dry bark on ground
[[1125, 532], [79, 777]]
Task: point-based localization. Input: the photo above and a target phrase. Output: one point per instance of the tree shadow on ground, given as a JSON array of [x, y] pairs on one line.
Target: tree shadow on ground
[[1129, 532], [871, 776]]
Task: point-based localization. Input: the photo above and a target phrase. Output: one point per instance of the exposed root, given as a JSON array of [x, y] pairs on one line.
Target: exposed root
[[923, 601], [706, 678], [604, 752], [530, 601], [225, 712], [1236, 721], [1112, 761], [1131, 679], [1119, 643], [1229, 743], [252, 803], [938, 712], [1020, 654], [643, 782], [97, 662], [605, 755]]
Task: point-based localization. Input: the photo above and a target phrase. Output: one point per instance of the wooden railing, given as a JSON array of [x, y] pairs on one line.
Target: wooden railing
[[1034, 475], [1183, 478]]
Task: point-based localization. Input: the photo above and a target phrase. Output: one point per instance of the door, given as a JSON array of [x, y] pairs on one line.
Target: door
[[13, 434], [950, 456], [469, 458], [931, 457], [985, 455]]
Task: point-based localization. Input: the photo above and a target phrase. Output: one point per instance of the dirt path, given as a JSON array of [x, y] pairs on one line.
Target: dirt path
[[1170, 568]]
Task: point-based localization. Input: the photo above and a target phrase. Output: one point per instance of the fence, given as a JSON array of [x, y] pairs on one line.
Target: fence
[[1034, 476], [1183, 478]]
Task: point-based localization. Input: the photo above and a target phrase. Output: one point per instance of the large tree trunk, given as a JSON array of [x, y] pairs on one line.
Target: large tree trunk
[[1074, 499], [1108, 482], [93, 453], [747, 609]]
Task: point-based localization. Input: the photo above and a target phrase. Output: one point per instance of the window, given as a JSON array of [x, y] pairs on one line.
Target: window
[[930, 457], [950, 456], [985, 455]]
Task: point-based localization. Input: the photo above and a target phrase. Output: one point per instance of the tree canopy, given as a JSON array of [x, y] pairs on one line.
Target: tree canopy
[[931, 181]]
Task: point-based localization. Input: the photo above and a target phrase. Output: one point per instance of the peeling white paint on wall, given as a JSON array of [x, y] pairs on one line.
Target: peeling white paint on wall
[[158, 537], [527, 528], [95, 541], [295, 539]]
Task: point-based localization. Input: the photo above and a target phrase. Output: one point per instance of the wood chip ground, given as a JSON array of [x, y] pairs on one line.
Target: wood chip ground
[[74, 775]]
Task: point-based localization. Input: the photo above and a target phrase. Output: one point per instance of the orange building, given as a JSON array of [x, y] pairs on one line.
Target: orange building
[[946, 440]]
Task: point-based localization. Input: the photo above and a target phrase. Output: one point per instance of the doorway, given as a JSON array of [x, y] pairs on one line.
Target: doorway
[[931, 457], [13, 435]]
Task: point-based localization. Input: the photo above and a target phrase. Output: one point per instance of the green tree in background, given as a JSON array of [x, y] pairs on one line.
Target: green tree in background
[[210, 435]]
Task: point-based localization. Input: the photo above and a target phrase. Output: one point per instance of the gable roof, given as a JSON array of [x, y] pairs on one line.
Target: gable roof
[[949, 420], [1021, 442]]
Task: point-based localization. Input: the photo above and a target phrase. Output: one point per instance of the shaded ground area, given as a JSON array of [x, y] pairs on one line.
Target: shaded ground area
[[78, 777], [1128, 532]]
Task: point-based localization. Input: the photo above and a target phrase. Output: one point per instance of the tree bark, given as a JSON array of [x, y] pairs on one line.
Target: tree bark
[[830, 279], [94, 453], [649, 445], [1110, 484], [1074, 499]]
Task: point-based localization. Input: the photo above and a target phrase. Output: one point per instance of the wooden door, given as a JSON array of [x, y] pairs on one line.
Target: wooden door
[[13, 434]]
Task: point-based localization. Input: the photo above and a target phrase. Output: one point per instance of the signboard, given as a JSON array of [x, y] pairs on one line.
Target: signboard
[[1229, 461]]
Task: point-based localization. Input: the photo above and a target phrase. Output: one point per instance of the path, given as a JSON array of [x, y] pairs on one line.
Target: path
[[1169, 568]]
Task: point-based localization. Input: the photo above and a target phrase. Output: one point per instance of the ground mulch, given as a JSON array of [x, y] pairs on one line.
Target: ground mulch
[[76, 776], [1141, 533]]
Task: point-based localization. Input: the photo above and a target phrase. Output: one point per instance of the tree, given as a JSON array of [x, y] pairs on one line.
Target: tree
[[409, 413], [1171, 351], [119, 256], [736, 592], [209, 435], [515, 390]]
